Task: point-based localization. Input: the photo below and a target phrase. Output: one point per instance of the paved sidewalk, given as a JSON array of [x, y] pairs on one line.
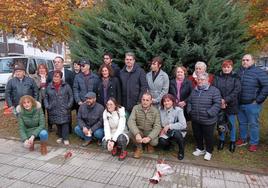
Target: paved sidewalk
[[21, 168]]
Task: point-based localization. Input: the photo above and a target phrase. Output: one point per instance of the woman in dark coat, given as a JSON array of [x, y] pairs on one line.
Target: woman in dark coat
[[180, 87], [204, 105], [109, 86], [58, 102], [229, 85]]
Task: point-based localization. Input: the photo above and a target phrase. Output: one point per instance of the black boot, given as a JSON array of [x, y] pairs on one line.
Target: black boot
[[220, 145], [232, 147], [181, 154]]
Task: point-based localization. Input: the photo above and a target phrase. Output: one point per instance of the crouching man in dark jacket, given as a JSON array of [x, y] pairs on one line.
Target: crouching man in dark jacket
[[204, 105], [90, 120]]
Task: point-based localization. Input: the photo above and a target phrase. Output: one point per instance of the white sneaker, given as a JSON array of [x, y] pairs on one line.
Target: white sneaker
[[198, 152], [59, 140], [66, 142], [208, 156]]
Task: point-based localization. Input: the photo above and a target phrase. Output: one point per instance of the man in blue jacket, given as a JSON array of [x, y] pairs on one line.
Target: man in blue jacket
[[254, 90]]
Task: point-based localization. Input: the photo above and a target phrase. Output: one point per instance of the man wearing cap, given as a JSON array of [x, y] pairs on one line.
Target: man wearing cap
[[90, 120], [84, 82], [19, 86]]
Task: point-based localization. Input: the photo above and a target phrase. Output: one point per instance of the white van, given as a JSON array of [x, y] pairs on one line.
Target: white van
[[30, 63]]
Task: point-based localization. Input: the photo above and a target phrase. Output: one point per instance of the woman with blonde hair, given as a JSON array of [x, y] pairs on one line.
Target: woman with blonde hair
[[32, 123]]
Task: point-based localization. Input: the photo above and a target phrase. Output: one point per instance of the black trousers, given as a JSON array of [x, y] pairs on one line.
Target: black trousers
[[174, 135], [63, 130], [121, 142], [204, 132]]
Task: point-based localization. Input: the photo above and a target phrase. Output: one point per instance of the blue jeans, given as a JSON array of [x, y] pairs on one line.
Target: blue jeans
[[99, 133], [43, 135], [248, 117], [231, 119]]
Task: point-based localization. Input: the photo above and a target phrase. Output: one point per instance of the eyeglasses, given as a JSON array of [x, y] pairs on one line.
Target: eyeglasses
[[83, 65]]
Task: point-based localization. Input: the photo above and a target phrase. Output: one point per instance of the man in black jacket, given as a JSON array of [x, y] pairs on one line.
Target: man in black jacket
[[133, 80], [19, 86], [254, 90]]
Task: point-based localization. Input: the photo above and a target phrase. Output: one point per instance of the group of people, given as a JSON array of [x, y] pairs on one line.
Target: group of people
[[122, 105]]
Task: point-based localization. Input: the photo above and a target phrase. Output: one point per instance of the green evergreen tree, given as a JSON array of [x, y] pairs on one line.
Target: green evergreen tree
[[180, 31]]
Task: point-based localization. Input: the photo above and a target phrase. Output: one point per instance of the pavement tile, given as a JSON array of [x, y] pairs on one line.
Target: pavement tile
[[141, 182], [34, 164], [110, 166], [253, 179], [6, 159], [32, 155], [83, 173], [121, 180], [5, 182], [232, 184], [208, 182], [92, 184], [183, 180], [71, 183], [85, 153], [188, 169], [145, 172], [19, 184], [102, 176], [92, 164], [52, 180], [5, 169], [212, 173], [18, 173], [21, 162], [234, 176], [35, 176], [49, 167], [128, 170], [66, 170], [101, 157]]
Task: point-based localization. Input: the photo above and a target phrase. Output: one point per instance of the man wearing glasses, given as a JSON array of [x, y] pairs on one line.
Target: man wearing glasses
[[84, 82], [254, 90]]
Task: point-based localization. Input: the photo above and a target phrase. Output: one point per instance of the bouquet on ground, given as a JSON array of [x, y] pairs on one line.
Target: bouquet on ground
[[162, 169]]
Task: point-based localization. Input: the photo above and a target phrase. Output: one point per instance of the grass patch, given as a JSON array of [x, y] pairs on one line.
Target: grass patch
[[241, 159]]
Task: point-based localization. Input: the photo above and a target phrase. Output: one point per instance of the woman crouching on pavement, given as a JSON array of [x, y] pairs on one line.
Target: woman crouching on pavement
[[115, 132], [32, 123], [173, 124]]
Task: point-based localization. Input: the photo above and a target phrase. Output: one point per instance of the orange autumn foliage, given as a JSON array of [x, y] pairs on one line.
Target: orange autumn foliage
[[42, 21], [258, 23]]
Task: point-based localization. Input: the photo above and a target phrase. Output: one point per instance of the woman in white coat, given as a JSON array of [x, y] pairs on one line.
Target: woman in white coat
[[115, 132]]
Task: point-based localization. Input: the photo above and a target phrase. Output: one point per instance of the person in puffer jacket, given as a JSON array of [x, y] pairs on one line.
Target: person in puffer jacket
[[254, 90], [203, 106]]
